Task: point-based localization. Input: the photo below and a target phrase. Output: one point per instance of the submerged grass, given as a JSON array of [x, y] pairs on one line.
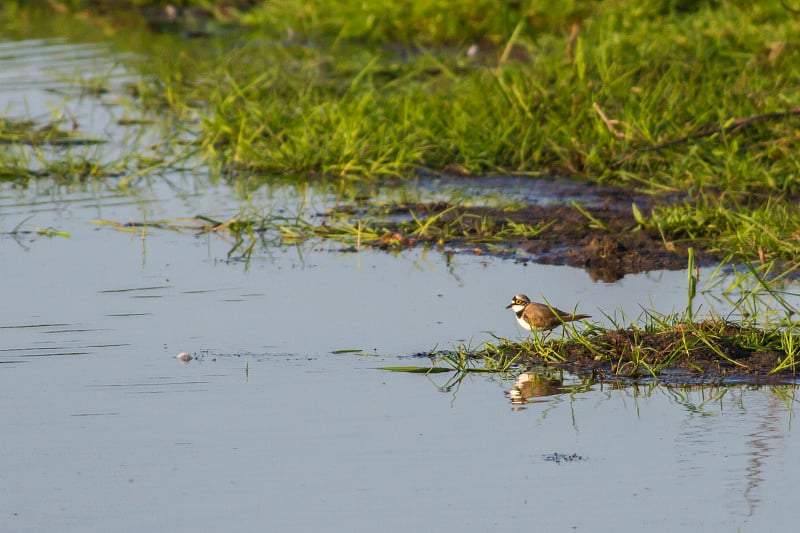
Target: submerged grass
[[16, 131], [391, 227], [459, 363]]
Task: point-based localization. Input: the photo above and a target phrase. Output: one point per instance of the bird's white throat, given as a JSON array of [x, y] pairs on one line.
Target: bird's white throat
[[518, 312], [517, 308]]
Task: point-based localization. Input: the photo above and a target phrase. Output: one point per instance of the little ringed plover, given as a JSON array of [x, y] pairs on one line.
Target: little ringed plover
[[534, 316]]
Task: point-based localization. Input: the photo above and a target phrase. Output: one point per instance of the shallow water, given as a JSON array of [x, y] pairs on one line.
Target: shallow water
[[103, 429]]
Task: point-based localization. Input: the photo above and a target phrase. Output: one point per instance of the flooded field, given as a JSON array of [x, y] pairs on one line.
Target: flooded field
[[283, 420]]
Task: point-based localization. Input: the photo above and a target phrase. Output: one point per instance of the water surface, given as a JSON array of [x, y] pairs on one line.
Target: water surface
[[267, 429]]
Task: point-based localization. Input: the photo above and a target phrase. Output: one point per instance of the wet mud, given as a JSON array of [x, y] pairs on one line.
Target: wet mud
[[709, 351], [607, 253], [600, 234]]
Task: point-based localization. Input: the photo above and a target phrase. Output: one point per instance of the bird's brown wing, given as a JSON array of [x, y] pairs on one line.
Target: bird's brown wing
[[542, 317]]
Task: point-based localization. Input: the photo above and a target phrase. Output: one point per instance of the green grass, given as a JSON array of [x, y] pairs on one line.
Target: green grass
[[767, 229], [381, 88], [31, 150], [346, 98]]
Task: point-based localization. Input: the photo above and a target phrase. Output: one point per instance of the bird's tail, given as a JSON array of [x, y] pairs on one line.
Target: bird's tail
[[571, 318]]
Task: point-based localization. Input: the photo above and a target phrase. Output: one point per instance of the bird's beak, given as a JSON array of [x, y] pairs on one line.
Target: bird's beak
[[509, 305]]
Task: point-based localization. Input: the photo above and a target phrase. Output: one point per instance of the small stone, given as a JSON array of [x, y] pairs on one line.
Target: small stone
[[184, 357]]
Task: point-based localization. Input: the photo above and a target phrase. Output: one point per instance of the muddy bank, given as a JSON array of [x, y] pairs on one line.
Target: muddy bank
[[709, 351], [572, 223], [607, 249]]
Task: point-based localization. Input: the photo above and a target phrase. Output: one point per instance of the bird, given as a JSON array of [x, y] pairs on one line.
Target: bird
[[534, 316]]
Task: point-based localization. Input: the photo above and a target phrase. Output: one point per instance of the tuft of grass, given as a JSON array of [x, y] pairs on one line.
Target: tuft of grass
[[416, 369], [23, 231], [713, 348], [768, 230], [28, 132], [764, 345]]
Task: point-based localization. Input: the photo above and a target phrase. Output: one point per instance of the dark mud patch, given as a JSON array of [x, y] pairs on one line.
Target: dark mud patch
[[710, 351], [605, 240], [558, 222], [608, 247]]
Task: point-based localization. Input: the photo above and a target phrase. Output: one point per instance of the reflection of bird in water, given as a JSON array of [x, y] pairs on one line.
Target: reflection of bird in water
[[534, 316], [532, 385]]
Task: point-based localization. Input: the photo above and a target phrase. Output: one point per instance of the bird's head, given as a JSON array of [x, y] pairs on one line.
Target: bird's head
[[518, 302]]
